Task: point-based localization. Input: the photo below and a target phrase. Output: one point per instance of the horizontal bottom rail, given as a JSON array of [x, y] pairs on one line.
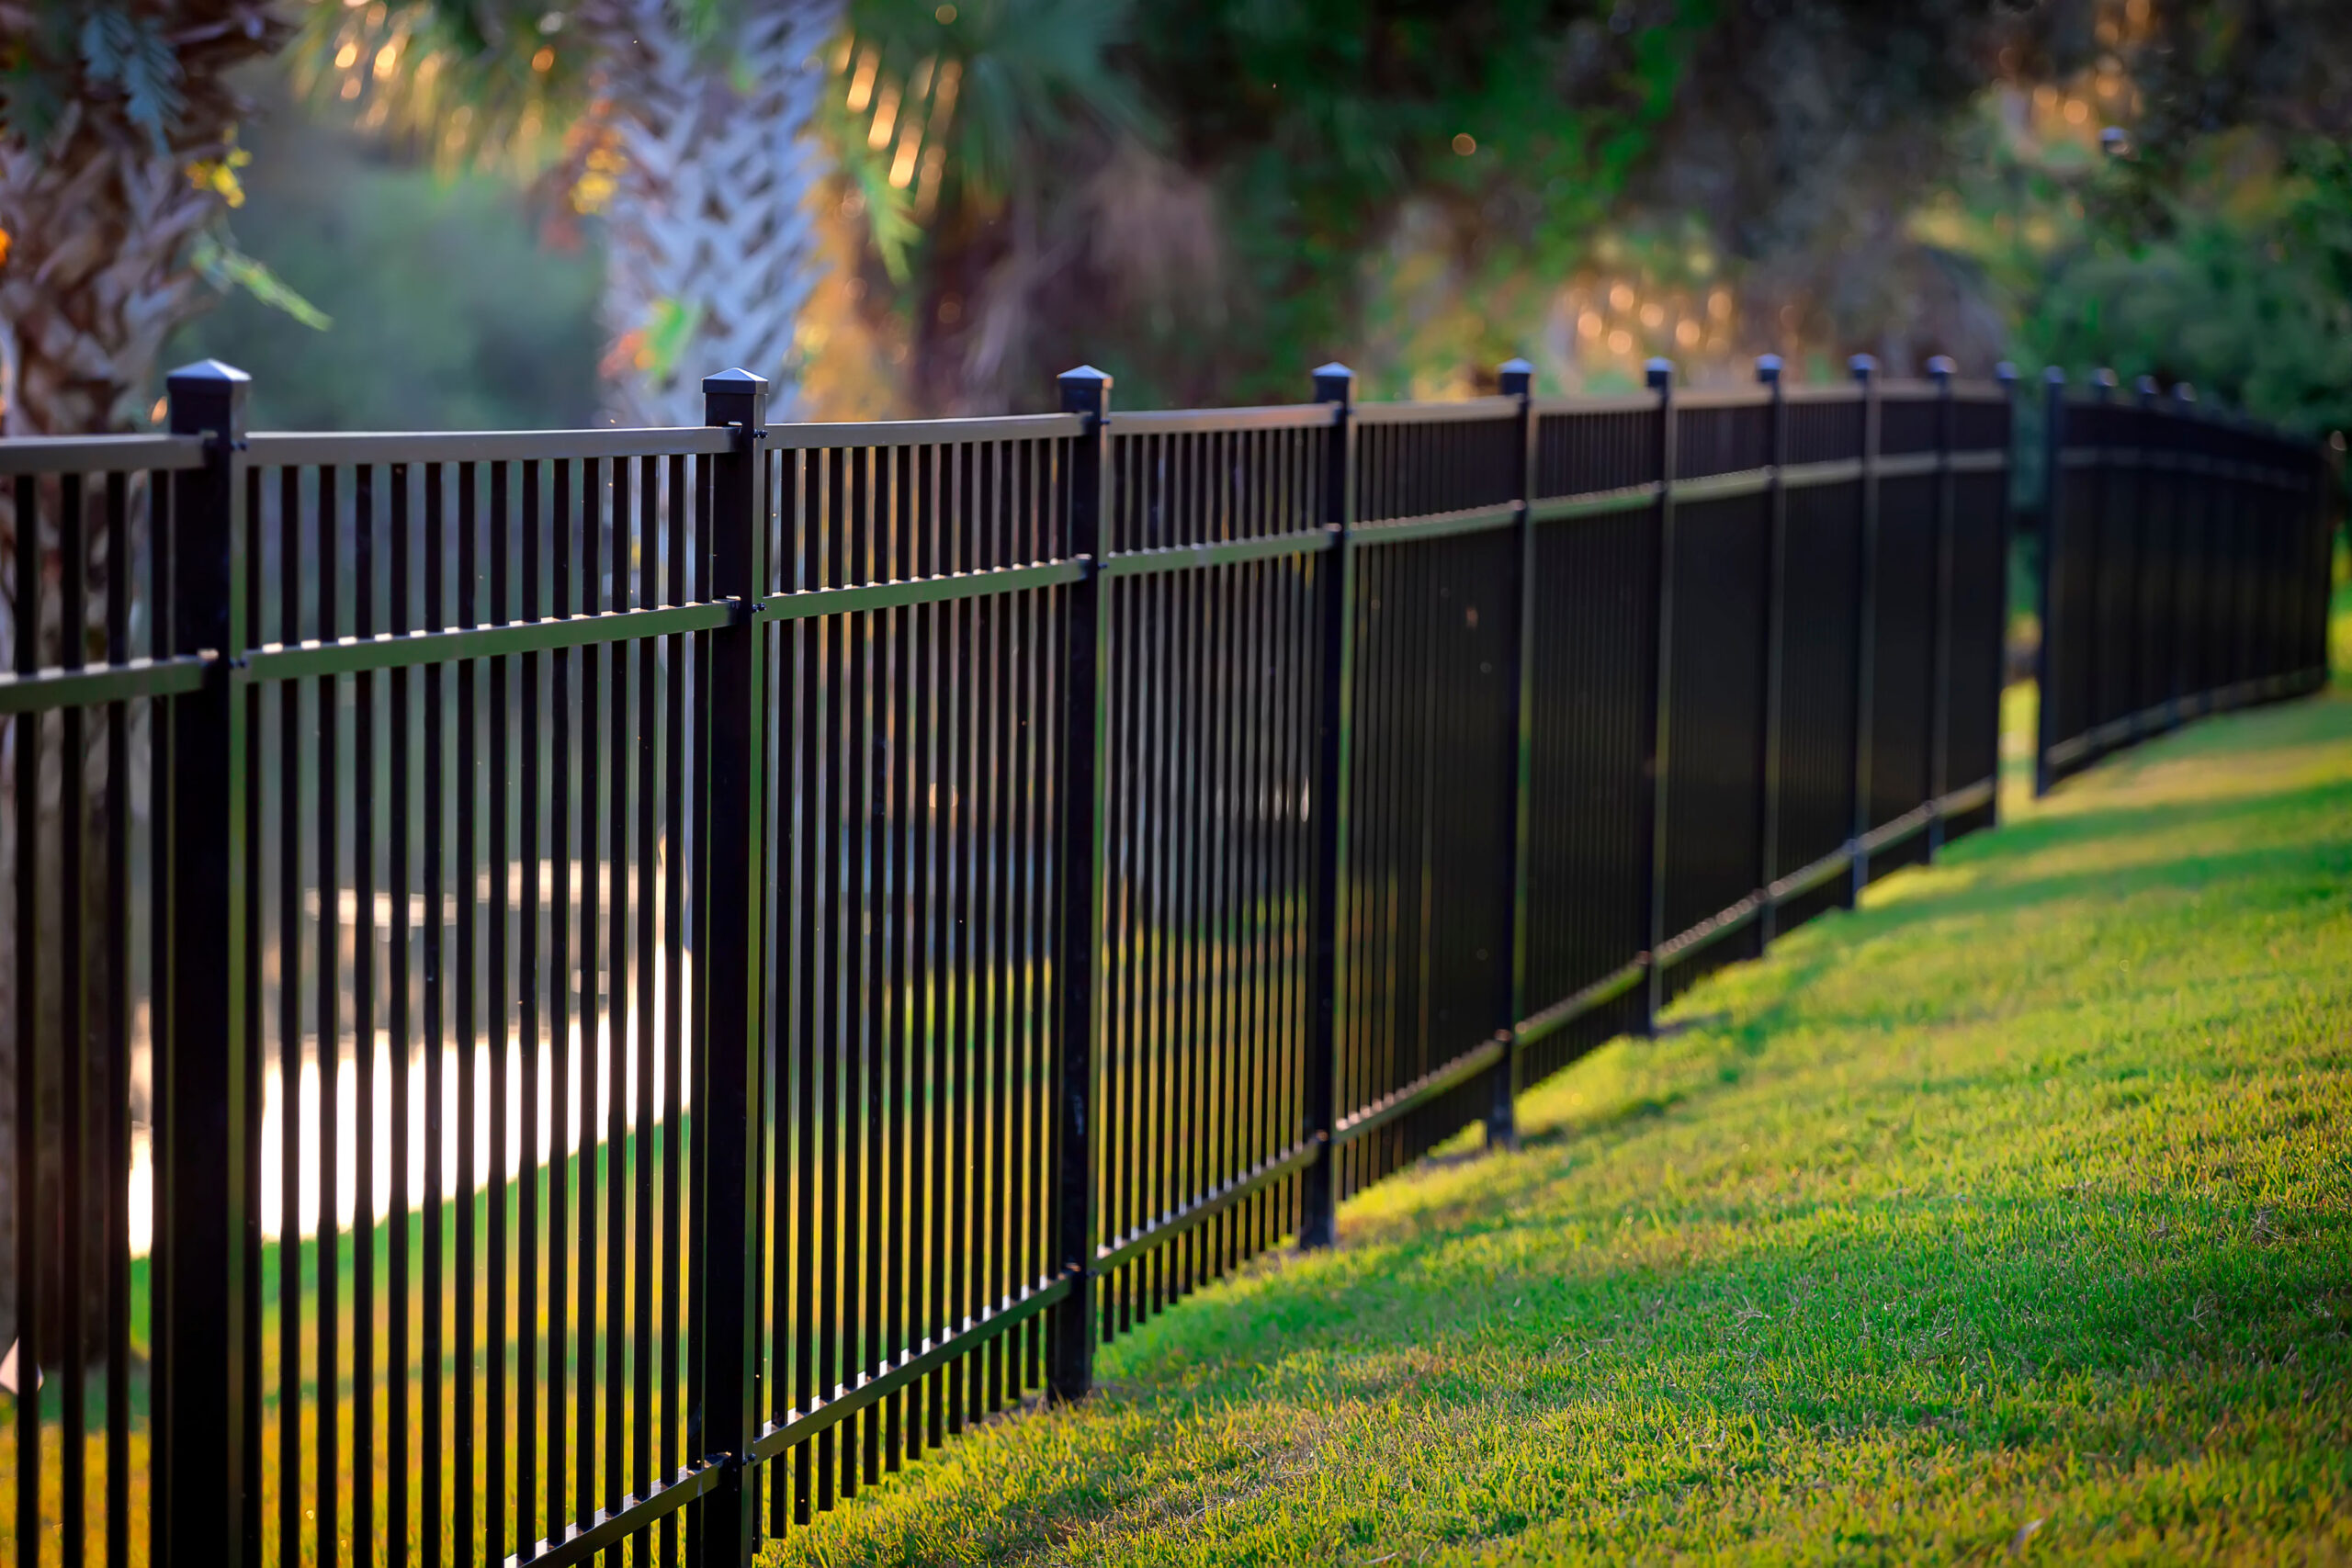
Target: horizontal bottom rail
[[1805, 878], [1886, 835], [1574, 1006], [1707, 930], [934, 1354], [1167, 1226], [1967, 797], [1222, 552], [406, 650], [96, 686], [1420, 1091], [2067, 752], [609, 1527], [1436, 525], [985, 583], [2116, 734]]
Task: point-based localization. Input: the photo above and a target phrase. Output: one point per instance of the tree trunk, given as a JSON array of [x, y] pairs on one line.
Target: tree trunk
[[711, 214], [98, 216]]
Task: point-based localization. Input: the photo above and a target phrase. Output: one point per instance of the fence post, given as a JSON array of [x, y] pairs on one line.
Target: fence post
[[1078, 992], [2096, 651], [725, 1364], [1776, 594], [207, 1213], [1335, 384], [1518, 380], [2007, 375], [1660, 375], [1940, 369], [2145, 563], [2047, 665], [1857, 869], [2325, 520]]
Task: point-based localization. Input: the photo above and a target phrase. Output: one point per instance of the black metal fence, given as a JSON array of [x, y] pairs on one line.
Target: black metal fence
[[593, 993], [2185, 568]]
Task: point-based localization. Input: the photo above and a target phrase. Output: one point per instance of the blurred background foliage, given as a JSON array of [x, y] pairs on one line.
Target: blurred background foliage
[[446, 304], [1206, 197]]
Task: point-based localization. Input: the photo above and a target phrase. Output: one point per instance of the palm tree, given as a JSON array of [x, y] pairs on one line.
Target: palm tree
[[117, 153], [117, 162], [689, 126], [715, 136]]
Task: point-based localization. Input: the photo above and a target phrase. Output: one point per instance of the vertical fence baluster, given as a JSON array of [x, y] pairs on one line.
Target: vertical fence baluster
[[1776, 594], [1518, 380], [1327, 805], [2147, 561], [200, 1088], [2006, 374], [2049, 663], [726, 1361], [1865, 374], [1660, 375], [1940, 689], [1078, 1015]]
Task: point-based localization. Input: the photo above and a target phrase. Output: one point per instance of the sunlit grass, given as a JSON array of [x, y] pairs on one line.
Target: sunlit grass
[[2011, 1213]]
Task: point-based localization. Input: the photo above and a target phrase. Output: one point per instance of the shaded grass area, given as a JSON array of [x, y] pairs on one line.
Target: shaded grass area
[[2011, 1214], [404, 1423]]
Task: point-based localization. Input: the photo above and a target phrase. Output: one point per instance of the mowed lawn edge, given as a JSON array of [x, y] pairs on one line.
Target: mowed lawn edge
[[2010, 1214]]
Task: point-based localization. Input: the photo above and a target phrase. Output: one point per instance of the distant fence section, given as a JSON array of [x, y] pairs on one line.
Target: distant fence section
[[2185, 568], [590, 994]]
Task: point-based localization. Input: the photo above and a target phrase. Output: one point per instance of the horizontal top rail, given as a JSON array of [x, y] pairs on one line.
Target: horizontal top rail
[[1620, 402], [99, 454], [1461, 411], [1720, 398], [923, 432], [1187, 421], [329, 448]]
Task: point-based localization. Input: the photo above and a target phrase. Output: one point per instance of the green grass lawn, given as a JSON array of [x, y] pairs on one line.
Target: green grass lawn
[[2008, 1215]]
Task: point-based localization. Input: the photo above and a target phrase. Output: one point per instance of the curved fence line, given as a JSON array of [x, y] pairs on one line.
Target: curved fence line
[[1065, 856]]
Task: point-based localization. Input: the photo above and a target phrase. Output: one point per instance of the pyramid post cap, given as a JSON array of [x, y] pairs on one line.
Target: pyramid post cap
[[2006, 371], [208, 371], [1659, 372], [1768, 368], [1332, 371], [737, 379], [1085, 373], [1862, 367], [1943, 365], [1515, 365]]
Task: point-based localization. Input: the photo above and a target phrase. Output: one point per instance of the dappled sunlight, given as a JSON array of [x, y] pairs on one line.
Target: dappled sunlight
[[2018, 1194]]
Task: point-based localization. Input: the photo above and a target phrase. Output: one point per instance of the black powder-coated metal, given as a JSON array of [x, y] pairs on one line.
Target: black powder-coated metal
[[1078, 1013], [1867, 624], [1658, 763], [200, 1089], [2178, 569], [795, 934]]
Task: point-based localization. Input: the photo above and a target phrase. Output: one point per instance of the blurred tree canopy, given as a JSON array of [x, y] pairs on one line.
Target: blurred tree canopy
[[1208, 196], [449, 307], [1424, 188]]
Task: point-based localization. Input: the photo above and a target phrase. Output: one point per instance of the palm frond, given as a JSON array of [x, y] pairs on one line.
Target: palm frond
[[990, 82], [487, 81]]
